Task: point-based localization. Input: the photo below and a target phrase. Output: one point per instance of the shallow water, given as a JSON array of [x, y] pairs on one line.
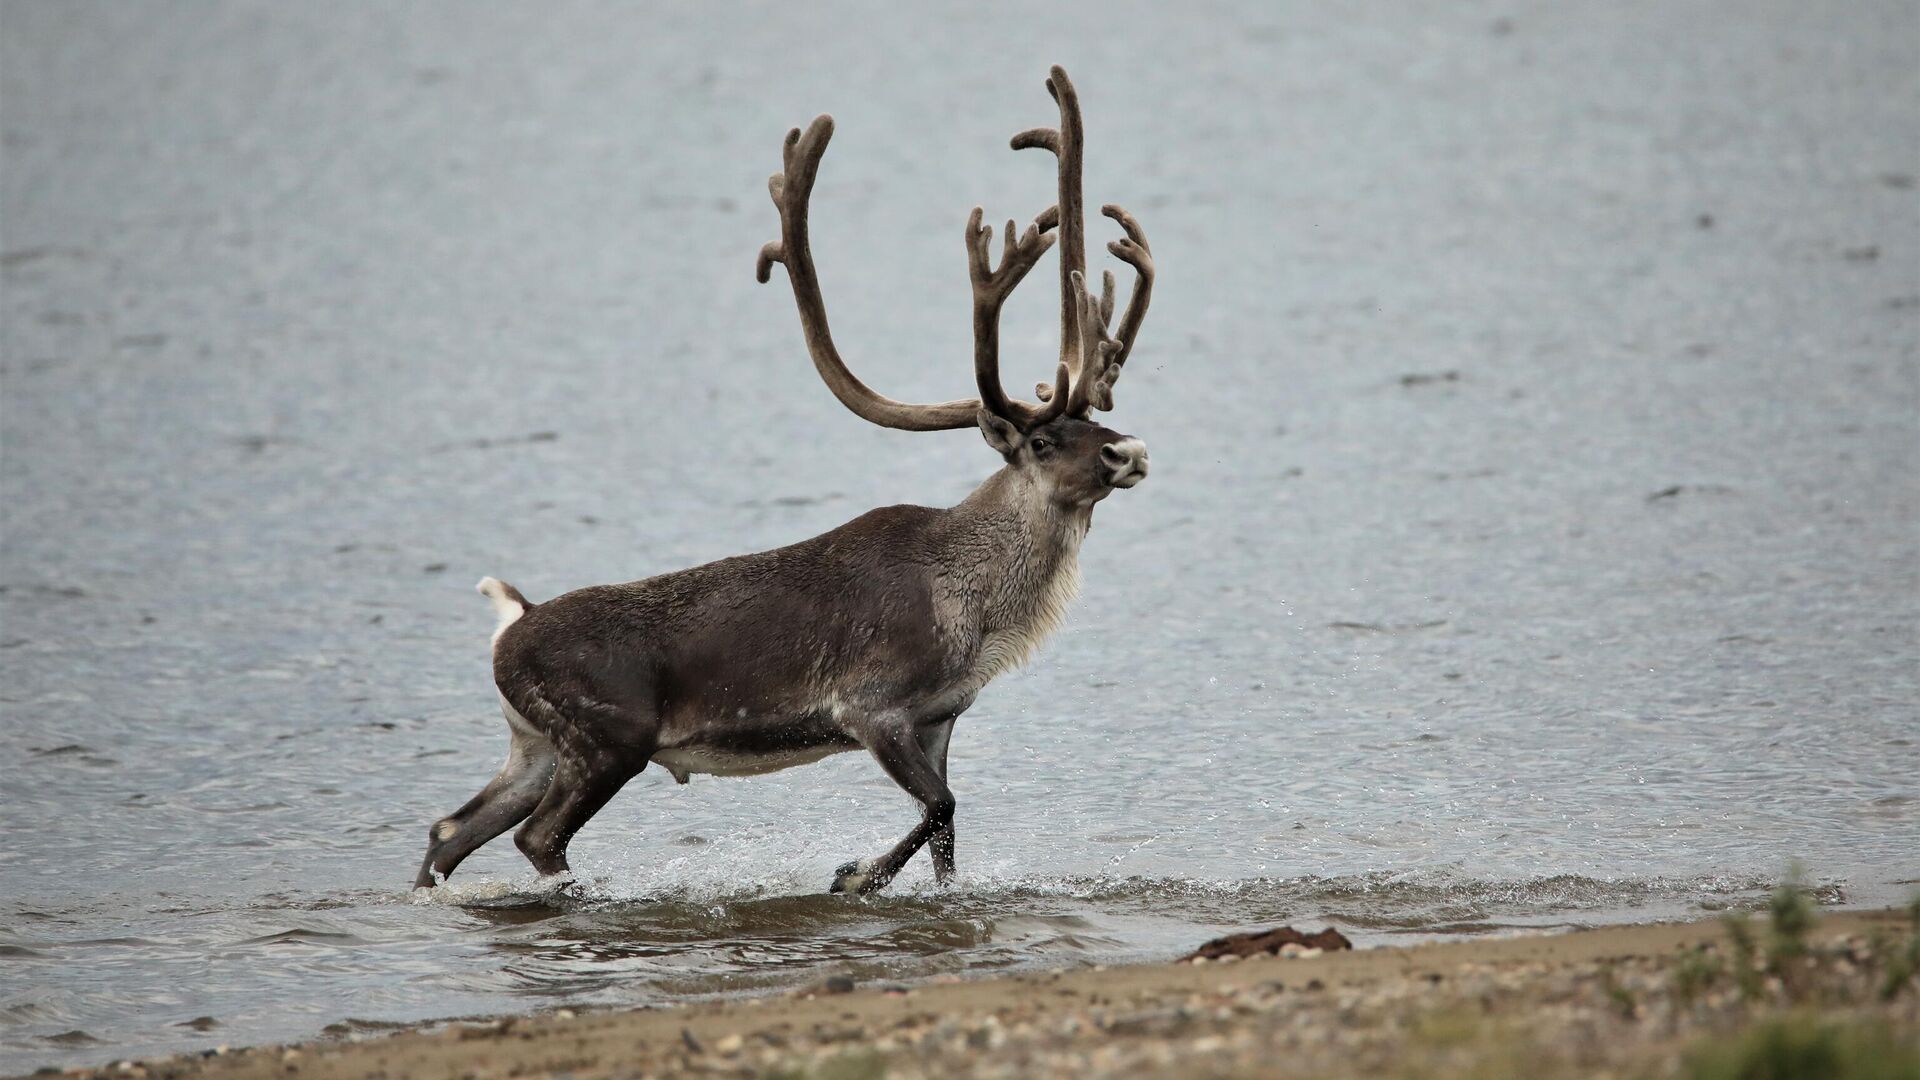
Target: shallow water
[[1533, 538]]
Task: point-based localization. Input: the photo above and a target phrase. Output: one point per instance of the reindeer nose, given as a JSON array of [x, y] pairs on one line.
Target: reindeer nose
[[1125, 462]]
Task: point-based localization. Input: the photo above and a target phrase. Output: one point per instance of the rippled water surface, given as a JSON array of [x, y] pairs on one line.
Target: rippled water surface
[[1533, 537]]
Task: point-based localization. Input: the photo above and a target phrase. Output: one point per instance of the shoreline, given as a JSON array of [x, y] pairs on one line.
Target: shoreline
[[1543, 1004]]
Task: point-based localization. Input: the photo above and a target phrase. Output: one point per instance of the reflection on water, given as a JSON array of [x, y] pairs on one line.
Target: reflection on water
[[1531, 538]]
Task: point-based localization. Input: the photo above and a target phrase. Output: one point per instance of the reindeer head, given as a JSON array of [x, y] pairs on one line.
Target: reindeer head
[[1054, 443], [1076, 462]]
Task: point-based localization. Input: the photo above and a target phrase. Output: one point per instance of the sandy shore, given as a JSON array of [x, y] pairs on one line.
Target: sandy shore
[[1667, 999]]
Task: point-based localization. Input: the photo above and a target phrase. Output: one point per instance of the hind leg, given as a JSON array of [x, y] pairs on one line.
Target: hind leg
[[507, 799], [583, 782]]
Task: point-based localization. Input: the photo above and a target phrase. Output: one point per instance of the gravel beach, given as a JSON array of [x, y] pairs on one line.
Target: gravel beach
[[1673, 999]]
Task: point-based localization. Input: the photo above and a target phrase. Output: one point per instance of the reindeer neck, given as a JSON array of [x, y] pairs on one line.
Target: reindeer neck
[[1030, 524], [1034, 568]]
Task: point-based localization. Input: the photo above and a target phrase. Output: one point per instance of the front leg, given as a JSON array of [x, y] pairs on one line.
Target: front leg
[[933, 740], [896, 746]]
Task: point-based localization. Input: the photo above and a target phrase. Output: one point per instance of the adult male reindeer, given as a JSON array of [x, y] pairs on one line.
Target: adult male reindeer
[[876, 635]]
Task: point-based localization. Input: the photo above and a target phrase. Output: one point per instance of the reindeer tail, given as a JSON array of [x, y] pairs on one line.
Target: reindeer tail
[[508, 604]]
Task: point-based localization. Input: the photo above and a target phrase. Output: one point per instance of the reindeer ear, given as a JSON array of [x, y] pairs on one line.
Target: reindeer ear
[[999, 433]]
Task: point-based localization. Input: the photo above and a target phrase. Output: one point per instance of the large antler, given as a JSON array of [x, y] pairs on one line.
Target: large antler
[[1095, 386], [1068, 142], [791, 189], [991, 287]]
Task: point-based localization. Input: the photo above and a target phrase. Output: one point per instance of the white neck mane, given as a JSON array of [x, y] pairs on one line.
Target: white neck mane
[[1036, 573]]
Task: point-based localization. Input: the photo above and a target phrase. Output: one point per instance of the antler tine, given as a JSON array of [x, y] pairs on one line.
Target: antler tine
[[1068, 145], [790, 190], [991, 287], [1101, 363], [1092, 386], [1095, 347], [1103, 311], [774, 251], [1133, 251], [1042, 138], [792, 142]]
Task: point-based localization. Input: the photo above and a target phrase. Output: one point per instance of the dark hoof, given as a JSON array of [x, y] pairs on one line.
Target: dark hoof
[[850, 877]]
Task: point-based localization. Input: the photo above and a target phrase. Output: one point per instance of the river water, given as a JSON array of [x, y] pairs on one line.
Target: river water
[[1533, 537]]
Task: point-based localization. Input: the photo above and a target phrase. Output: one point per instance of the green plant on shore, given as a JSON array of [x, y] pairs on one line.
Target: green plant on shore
[[1802, 1047], [1618, 996], [1791, 917], [1696, 973], [1746, 967], [1903, 963]]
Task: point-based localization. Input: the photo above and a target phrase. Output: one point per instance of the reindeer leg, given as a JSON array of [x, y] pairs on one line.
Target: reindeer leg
[[897, 748], [933, 741], [506, 800], [582, 783]]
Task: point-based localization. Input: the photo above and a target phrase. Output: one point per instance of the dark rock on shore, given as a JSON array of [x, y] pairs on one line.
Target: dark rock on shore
[[1269, 943]]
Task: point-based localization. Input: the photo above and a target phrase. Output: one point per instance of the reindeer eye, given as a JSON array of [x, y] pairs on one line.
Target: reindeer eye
[[1041, 446]]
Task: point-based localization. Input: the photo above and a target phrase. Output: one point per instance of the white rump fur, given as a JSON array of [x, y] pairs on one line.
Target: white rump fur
[[504, 605]]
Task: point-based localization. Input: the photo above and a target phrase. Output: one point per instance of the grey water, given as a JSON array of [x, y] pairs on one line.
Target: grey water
[[1533, 537]]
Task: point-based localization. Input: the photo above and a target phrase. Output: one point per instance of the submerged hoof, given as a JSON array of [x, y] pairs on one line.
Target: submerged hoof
[[853, 877], [560, 883]]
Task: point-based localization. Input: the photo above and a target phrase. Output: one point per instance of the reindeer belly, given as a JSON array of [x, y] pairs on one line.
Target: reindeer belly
[[718, 761], [744, 748]]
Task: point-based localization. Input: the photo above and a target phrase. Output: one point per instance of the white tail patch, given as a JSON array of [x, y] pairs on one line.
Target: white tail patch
[[507, 604]]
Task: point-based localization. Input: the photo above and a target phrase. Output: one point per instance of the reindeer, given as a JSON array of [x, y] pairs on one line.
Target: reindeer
[[876, 635]]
